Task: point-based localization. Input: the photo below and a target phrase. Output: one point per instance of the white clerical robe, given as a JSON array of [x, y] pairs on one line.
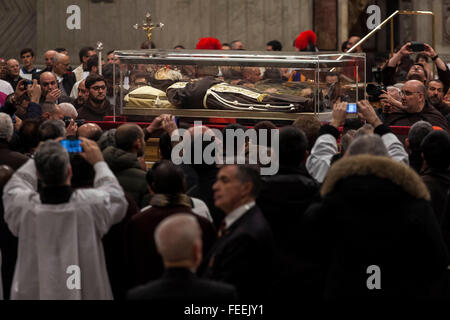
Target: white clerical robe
[[60, 253]]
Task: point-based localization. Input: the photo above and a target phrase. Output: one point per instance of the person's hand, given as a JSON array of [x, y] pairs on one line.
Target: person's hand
[[91, 151], [168, 123], [53, 95], [20, 90], [155, 125], [142, 163], [367, 112], [34, 91], [429, 51], [18, 123], [339, 114], [72, 129], [405, 50]]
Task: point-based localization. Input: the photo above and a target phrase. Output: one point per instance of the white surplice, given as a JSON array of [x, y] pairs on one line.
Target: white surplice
[[57, 241]]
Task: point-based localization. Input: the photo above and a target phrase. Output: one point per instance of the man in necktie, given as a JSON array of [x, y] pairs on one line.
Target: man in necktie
[[244, 253]]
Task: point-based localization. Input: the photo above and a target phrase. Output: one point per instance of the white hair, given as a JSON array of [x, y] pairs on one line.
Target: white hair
[[68, 110], [175, 237], [6, 126]]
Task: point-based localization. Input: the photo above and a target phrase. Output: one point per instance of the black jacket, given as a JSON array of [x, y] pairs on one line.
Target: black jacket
[[179, 284], [376, 212], [243, 256]]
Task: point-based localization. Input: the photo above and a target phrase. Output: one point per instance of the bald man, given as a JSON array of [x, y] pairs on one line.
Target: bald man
[[90, 131], [48, 58], [415, 108], [66, 79], [13, 72], [179, 242]]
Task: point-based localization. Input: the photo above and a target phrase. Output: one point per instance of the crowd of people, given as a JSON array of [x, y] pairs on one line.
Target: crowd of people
[[96, 222]]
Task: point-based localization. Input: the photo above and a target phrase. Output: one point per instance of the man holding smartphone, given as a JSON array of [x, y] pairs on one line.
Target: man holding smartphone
[[417, 71], [60, 229]]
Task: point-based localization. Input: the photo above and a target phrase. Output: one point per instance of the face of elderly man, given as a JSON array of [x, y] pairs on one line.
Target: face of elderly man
[[49, 58], [413, 97], [13, 67], [48, 83]]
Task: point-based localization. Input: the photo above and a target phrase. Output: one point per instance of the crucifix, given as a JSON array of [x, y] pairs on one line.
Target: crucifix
[[148, 27]]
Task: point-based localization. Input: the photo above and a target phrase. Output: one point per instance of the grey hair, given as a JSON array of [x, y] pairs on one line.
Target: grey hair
[[68, 110], [52, 163], [176, 235], [52, 129], [368, 144], [417, 133], [6, 126]]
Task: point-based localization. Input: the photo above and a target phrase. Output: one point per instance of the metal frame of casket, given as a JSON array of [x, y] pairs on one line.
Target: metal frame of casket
[[312, 68]]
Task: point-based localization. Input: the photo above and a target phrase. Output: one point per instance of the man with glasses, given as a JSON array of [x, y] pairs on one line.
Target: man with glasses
[[415, 107], [97, 106]]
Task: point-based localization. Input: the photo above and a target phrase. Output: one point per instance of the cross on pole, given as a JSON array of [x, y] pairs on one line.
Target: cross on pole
[[148, 26]]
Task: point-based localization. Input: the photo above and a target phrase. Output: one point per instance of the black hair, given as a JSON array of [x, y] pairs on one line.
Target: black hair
[[27, 50], [166, 178], [293, 145], [436, 149], [90, 80], [84, 52], [275, 44]]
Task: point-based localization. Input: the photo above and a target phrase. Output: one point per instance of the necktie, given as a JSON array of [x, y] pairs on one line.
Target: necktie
[[221, 228]]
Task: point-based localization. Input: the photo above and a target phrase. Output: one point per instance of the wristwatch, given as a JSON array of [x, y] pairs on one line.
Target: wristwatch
[[435, 57]]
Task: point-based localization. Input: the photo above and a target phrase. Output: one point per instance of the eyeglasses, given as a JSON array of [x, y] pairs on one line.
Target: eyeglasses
[[409, 93], [96, 88]]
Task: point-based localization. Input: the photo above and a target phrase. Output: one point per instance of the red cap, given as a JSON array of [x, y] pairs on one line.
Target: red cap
[[304, 39], [209, 44]]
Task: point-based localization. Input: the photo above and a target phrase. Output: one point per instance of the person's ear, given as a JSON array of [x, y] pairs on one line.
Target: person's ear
[[408, 147], [306, 156], [247, 188]]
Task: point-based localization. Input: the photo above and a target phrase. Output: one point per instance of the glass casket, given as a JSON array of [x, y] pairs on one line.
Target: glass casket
[[235, 84]]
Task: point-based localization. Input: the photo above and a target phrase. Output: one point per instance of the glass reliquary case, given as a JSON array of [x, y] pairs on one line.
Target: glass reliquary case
[[236, 84]]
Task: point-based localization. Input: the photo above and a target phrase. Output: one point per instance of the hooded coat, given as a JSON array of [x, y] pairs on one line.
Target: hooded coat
[[128, 171], [376, 213]]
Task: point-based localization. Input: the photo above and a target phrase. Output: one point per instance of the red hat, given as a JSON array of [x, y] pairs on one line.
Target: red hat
[[209, 44], [304, 39]]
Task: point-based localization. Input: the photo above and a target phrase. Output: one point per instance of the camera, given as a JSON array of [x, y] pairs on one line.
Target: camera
[[27, 83], [352, 110], [78, 122], [375, 90]]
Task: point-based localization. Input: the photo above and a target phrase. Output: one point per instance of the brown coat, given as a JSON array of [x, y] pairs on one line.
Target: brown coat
[[144, 262], [429, 114]]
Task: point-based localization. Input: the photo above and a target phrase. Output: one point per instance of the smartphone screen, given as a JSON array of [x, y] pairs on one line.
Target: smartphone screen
[[72, 146], [352, 108]]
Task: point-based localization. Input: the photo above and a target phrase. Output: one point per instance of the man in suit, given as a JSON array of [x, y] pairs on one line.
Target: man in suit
[[178, 240], [66, 79], [244, 253]]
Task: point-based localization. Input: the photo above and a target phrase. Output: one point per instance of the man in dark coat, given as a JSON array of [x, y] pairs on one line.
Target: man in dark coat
[[178, 240], [436, 174], [97, 106], [283, 199], [374, 231], [124, 163], [167, 184], [244, 253]]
